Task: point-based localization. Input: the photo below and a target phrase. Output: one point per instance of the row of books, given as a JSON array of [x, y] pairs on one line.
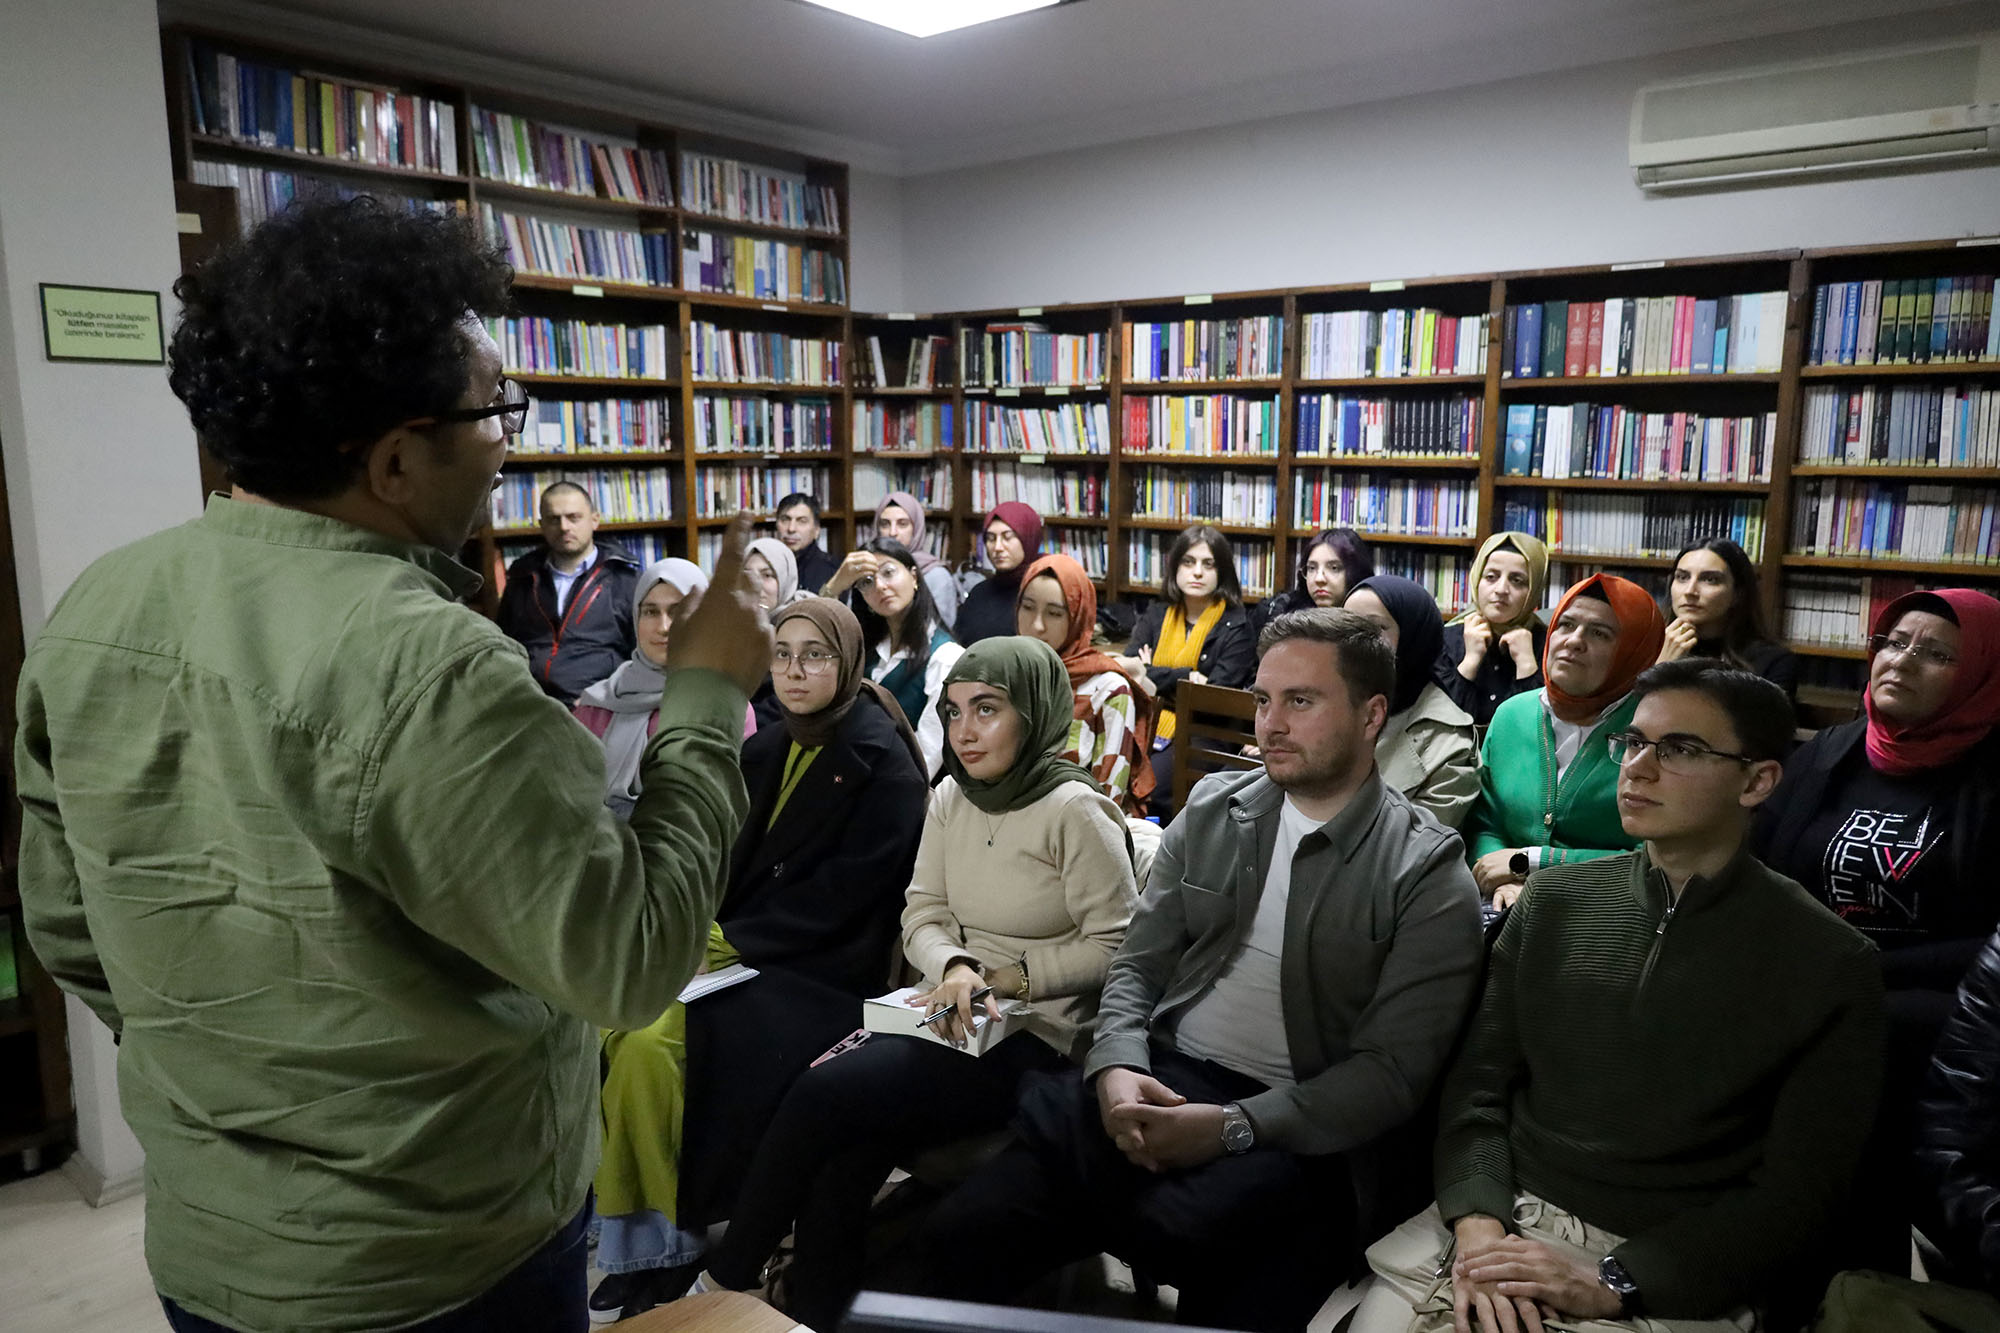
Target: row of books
[[1335, 425], [1215, 495], [927, 366], [727, 423], [1210, 425], [1838, 610], [1256, 562], [1625, 444], [622, 495], [566, 250], [526, 152], [753, 356], [720, 489], [1066, 428], [1905, 425], [1391, 344], [1634, 525], [1380, 502], [597, 426], [764, 269], [1028, 353], [1566, 574], [1205, 349], [874, 479], [884, 427], [1089, 547], [1646, 335], [1446, 577], [537, 346], [752, 192], [262, 193], [1904, 321], [1079, 492], [276, 106], [1841, 517]]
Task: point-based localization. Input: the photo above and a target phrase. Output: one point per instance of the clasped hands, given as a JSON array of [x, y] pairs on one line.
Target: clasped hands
[[1503, 1283], [1154, 1126]]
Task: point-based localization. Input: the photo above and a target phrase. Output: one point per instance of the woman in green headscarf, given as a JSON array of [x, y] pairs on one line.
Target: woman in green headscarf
[[1493, 651], [1024, 884]]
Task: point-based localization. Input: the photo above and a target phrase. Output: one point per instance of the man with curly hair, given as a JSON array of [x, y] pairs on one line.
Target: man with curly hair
[[302, 829]]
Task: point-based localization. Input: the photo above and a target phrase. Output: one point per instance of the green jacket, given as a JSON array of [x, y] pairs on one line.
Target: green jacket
[[306, 834], [1697, 1077], [1522, 805]]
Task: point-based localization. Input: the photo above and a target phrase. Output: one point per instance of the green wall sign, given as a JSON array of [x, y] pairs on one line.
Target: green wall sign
[[102, 324]]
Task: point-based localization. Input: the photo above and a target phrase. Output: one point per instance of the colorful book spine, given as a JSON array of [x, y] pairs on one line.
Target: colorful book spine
[[1205, 349], [596, 426], [763, 269], [733, 423], [1384, 503], [1079, 492], [1025, 354], [1068, 428], [1838, 516], [1574, 523], [1213, 425], [1623, 444], [750, 192], [528, 153], [882, 427], [262, 193], [622, 495], [750, 356], [1648, 335], [1339, 425], [537, 346], [1213, 495], [275, 106], [1901, 425], [876, 479], [1446, 577], [721, 489], [1904, 321], [565, 250]]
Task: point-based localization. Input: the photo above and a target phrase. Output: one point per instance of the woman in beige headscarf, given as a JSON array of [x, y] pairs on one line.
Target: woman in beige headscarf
[[1494, 650]]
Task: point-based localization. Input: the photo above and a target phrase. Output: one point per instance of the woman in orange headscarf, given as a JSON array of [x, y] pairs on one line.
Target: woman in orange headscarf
[[1548, 788], [1111, 727]]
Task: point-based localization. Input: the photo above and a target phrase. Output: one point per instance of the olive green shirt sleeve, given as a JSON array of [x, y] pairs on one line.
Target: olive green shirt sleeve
[[482, 816]]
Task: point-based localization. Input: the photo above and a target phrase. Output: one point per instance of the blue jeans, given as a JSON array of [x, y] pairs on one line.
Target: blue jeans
[[545, 1294]]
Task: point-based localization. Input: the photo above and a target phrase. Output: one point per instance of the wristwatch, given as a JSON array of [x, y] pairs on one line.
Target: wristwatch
[[1238, 1135], [1612, 1276], [1518, 864]]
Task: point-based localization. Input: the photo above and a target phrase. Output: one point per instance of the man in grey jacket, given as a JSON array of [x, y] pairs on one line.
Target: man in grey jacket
[[1299, 969]]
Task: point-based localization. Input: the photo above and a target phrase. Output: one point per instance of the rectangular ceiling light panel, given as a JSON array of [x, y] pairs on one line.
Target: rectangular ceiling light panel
[[928, 18]]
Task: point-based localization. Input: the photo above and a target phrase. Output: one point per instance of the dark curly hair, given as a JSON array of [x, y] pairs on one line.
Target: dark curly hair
[[328, 325]]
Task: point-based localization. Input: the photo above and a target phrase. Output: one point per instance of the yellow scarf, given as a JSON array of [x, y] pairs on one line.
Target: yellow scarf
[[1180, 646]]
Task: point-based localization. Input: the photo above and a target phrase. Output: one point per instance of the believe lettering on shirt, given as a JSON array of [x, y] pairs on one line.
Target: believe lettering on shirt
[[1871, 865]]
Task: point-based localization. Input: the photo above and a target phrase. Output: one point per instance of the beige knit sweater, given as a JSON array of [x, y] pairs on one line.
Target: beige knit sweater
[[1051, 881]]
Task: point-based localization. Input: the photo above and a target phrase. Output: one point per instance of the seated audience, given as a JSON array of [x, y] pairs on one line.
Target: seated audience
[[1110, 725], [816, 882], [1258, 1032], [1329, 564], [1023, 883], [1547, 785], [1197, 631], [1893, 821], [569, 601], [1425, 750], [900, 519], [1718, 613], [774, 581], [911, 652], [1656, 1116], [1494, 651], [623, 709], [799, 530], [1012, 539]]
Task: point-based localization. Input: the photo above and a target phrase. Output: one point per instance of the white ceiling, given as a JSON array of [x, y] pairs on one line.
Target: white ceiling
[[1096, 72]]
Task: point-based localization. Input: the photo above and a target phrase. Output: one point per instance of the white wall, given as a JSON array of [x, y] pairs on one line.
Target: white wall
[[1529, 173], [875, 241], [96, 455]]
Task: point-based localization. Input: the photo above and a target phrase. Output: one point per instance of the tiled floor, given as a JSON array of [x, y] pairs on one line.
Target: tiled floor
[[66, 1267]]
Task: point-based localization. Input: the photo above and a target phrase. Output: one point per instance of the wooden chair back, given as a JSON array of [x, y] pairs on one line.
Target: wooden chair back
[[1214, 724]]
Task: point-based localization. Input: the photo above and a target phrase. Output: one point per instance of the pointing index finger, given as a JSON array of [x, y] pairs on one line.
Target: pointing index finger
[[728, 572]]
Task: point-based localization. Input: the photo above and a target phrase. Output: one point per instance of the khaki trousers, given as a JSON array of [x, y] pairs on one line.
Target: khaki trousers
[[1412, 1291]]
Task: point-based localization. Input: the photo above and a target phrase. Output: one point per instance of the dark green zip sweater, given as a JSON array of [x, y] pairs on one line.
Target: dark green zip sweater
[[1697, 1077]]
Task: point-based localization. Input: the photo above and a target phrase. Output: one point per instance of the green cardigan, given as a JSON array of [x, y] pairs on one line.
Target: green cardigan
[[1522, 805]]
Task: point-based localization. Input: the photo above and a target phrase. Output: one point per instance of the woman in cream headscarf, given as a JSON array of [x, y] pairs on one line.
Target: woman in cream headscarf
[[1494, 651], [816, 884]]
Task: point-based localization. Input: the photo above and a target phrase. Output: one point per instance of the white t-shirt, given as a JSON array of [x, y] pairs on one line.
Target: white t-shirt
[[1569, 738], [565, 581], [1240, 1023]]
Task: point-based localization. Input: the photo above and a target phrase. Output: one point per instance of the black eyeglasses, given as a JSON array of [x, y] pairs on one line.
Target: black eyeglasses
[[1674, 756], [512, 410]]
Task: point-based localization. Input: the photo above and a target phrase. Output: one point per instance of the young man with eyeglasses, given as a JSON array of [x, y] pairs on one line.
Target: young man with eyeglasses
[[300, 828], [1661, 1102], [569, 602]]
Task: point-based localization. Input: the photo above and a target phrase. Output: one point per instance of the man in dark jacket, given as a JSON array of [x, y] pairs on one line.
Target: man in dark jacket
[[799, 530], [1291, 987], [570, 604], [1958, 1130]]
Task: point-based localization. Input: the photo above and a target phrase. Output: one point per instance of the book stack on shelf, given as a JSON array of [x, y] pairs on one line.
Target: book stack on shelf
[[884, 426], [1743, 334], [1223, 496], [1445, 576], [930, 481], [552, 248], [1068, 428], [621, 495], [722, 490], [574, 348], [927, 364], [1385, 504], [1056, 493], [1391, 344], [1204, 426], [1939, 524], [1834, 613], [280, 105], [1027, 354], [1904, 322], [736, 424], [760, 356], [526, 153], [758, 193], [761, 268], [262, 193], [1624, 444], [597, 426], [1347, 425], [1089, 547], [1651, 527], [1902, 425], [1249, 348]]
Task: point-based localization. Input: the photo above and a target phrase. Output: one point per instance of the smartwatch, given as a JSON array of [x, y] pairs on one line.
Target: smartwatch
[[1238, 1135], [1612, 1276], [1518, 864]]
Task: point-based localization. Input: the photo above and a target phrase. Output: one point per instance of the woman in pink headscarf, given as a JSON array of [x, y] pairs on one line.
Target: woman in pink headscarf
[[901, 518], [1012, 539]]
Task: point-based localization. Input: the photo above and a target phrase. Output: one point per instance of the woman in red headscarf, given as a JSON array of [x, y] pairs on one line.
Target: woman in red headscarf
[[1893, 821], [1012, 538], [1111, 727], [1548, 788]]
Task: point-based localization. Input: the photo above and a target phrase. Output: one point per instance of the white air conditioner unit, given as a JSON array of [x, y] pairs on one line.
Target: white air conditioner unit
[[1896, 108]]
